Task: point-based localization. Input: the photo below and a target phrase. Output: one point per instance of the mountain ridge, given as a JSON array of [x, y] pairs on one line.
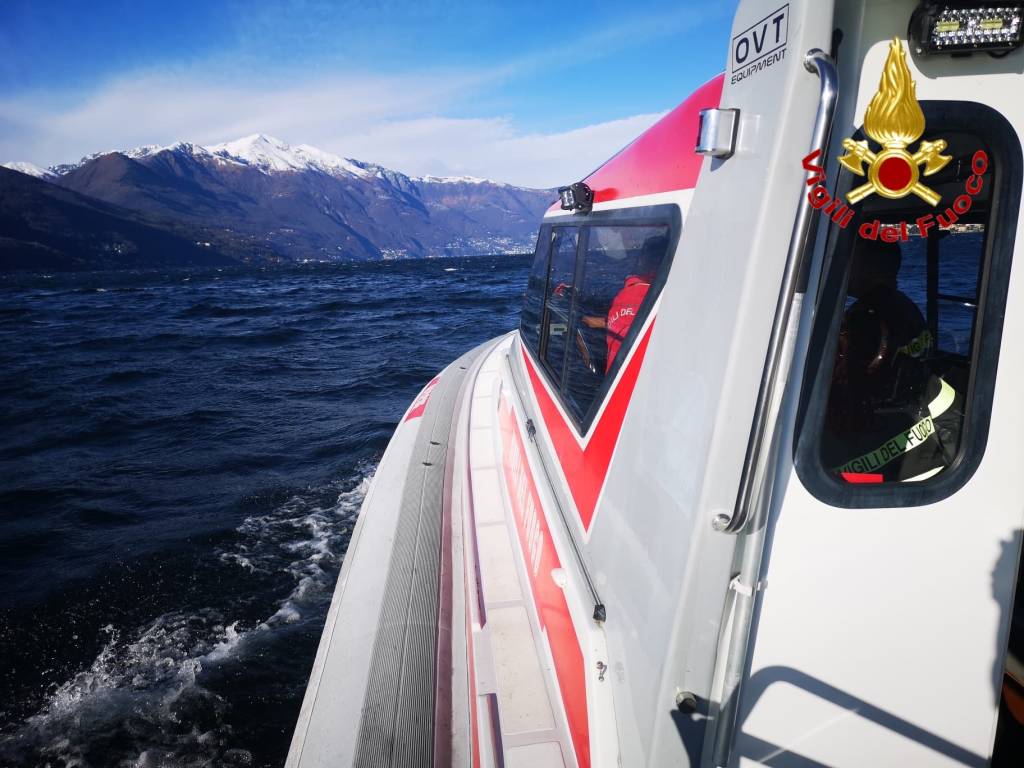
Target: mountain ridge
[[249, 150], [46, 227], [262, 197]]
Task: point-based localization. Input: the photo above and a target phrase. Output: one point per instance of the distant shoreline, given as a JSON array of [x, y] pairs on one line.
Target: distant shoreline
[[245, 267]]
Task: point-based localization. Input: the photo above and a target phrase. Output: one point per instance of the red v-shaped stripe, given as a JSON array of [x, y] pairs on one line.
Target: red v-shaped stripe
[[586, 469]]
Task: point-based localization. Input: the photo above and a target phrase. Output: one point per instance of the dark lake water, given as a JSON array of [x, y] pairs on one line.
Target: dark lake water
[[182, 458]]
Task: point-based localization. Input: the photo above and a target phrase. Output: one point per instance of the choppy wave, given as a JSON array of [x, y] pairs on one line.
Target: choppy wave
[[169, 529], [146, 700]]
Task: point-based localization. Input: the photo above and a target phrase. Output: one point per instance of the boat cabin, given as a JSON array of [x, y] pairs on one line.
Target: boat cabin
[[744, 487]]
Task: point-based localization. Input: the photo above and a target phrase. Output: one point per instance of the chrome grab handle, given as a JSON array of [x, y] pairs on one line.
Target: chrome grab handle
[[819, 62], [734, 644], [716, 136]]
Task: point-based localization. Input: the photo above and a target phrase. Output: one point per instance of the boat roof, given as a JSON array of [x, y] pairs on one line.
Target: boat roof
[[662, 158]]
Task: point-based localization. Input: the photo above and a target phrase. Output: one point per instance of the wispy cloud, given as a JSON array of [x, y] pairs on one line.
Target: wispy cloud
[[395, 121], [160, 108], [495, 149], [421, 122]]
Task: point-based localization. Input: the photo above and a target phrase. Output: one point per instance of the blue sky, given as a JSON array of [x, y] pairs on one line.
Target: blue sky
[[532, 93]]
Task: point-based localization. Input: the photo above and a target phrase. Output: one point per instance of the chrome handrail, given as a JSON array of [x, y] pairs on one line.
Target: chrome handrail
[[755, 491], [819, 62]]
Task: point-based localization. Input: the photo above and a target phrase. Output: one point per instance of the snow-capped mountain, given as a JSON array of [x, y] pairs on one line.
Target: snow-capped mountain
[[270, 154], [259, 151], [456, 180], [31, 169], [263, 197]]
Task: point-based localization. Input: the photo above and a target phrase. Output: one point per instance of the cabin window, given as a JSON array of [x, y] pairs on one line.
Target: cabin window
[[590, 289], [900, 389], [619, 266], [560, 295], [533, 300]]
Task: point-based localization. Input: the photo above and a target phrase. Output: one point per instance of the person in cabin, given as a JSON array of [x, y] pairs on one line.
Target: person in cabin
[[627, 302], [889, 417]]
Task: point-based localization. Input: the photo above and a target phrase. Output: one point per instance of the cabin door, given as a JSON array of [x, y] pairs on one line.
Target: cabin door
[[891, 558]]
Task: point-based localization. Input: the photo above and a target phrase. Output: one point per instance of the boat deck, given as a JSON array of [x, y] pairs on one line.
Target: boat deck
[[442, 646], [514, 671]]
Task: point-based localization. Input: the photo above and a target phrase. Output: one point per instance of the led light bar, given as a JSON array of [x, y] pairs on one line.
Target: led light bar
[[952, 28], [576, 197]]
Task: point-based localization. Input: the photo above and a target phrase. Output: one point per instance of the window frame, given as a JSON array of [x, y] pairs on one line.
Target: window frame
[[666, 214], [545, 313], [1001, 140]]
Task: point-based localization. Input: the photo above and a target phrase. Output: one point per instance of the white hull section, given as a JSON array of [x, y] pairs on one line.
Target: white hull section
[[655, 526]]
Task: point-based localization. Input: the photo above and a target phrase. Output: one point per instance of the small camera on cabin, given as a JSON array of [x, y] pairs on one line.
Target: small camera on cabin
[[576, 197]]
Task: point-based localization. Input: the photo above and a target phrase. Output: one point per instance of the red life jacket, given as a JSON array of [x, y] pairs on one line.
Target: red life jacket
[[625, 307]]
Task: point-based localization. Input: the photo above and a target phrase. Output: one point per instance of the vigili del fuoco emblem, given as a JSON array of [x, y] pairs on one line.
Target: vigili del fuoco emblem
[[894, 120]]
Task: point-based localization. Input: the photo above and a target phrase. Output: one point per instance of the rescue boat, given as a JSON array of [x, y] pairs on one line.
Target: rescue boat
[[744, 487]]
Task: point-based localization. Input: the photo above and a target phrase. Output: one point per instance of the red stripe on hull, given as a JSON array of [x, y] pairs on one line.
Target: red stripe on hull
[[538, 549], [419, 405], [586, 469], [473, 700], [662, 158]]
